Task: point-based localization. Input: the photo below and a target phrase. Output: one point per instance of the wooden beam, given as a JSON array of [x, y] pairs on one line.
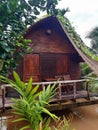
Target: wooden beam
[[70, 105], [3, 96], [74, 88]]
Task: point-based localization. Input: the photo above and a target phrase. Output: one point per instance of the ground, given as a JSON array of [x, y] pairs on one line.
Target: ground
[[84, 118]]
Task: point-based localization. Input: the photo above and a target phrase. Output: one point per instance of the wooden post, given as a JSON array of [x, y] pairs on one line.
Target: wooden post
[[43, 85], [60, 93], [87, 89], [74, 87], [3, 96]]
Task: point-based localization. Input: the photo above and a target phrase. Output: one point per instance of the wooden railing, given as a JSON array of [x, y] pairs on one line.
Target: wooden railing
[[73, 83], [59, 84]]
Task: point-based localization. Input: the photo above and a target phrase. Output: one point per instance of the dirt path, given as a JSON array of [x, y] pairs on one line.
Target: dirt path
[[86, 118]]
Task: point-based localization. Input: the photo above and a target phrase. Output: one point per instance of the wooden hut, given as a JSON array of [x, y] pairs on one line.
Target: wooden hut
[[55, 56]]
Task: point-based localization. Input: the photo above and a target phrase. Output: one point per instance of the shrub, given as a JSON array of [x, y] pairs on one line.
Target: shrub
[[31, 103]]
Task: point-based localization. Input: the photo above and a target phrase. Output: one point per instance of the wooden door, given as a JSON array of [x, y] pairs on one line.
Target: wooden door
[[62, 64], [31, 67]]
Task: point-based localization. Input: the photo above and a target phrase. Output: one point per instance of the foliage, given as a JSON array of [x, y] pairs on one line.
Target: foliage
[[10, 54], [93, 35], [94, 85], [15, 17], [32, 102], [76, 38], [87, 73]]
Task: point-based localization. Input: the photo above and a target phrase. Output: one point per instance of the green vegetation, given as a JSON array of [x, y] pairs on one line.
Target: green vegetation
[[93, 35], [31, 103], [94, 85], [87, 73]]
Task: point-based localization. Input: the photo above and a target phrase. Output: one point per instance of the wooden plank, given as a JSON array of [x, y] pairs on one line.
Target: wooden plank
[[56, 105], [60, 92], [3, 96]]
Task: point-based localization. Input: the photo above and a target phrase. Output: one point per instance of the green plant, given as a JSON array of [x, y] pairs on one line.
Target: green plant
[[93, 85], [87, 73], [46, 124], [93, 36], [31, 103]]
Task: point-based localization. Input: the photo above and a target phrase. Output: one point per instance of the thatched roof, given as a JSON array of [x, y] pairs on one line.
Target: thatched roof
[[73, 37], [93, 64]]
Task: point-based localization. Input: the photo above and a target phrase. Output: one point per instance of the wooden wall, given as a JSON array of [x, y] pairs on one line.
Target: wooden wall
[[53, 43], [54, 52]]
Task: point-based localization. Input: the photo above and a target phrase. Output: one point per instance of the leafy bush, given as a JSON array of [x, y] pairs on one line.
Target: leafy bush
[[31, 103]]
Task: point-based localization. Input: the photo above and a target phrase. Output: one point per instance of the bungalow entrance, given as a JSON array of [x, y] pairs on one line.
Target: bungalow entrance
[[44, 66]]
